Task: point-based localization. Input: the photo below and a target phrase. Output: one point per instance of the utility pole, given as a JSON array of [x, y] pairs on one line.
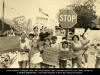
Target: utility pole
[[3, 16]]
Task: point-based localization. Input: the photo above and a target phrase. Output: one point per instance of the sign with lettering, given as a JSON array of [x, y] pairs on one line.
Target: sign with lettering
[[50, 56], [20, 23], [20, 20], [9, 43], [67, 18], [93, 36]]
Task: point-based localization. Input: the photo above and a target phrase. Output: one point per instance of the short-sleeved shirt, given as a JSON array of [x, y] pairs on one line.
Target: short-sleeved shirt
[[65, 54], [77, 48], [24, 56], [26, 43]]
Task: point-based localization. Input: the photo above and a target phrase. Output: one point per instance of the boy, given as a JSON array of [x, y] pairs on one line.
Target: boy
[[64, 55]]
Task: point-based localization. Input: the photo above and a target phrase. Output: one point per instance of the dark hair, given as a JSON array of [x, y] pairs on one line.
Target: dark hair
[[63, 38], [65, 42], [42, 36], [22, 33], [31, 35], [40, 29], [35, 27], [75, 36], [46, 39], [53, 37]]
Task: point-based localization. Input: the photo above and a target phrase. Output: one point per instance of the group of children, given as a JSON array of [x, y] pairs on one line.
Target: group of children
[[33, 45]]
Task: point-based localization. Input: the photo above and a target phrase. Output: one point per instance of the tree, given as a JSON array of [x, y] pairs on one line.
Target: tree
[[86, 14]]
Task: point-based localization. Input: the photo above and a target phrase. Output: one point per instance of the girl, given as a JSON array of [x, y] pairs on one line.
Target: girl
[[78, 48], [36, 31], [35, 58], [91, 56], [24, 51], [46, 46]]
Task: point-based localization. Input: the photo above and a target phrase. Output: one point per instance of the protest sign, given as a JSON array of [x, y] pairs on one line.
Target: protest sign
[[41, 21], [59, 31], [9, 43], [66, 55], [79, 31], [20, 20], [93, 36], [50, 56], [20, 23]]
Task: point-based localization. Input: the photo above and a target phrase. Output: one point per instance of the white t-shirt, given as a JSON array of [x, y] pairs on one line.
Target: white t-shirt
[[23, 56], [26, 43]]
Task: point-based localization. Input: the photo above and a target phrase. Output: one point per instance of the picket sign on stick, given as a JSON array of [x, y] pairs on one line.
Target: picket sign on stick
[[93, 36]]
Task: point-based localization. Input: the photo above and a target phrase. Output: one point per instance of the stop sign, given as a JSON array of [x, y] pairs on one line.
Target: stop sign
[[67, 18]]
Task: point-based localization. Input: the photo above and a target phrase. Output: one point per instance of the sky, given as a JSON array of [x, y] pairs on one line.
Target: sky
[[30, 8]]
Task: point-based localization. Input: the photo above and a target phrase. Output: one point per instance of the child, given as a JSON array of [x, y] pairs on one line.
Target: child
[[91, 57], [23, 55], [64, 55], [97, 65], [35, 57]]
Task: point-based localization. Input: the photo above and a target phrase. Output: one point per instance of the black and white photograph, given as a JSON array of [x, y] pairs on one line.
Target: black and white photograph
[[59, 31], [49, 34]]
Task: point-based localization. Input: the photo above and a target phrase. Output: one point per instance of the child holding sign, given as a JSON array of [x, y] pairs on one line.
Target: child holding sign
[[64, 55]]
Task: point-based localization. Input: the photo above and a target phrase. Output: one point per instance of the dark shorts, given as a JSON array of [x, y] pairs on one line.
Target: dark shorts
[[62, 63], [77, 61], [97, 63]]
